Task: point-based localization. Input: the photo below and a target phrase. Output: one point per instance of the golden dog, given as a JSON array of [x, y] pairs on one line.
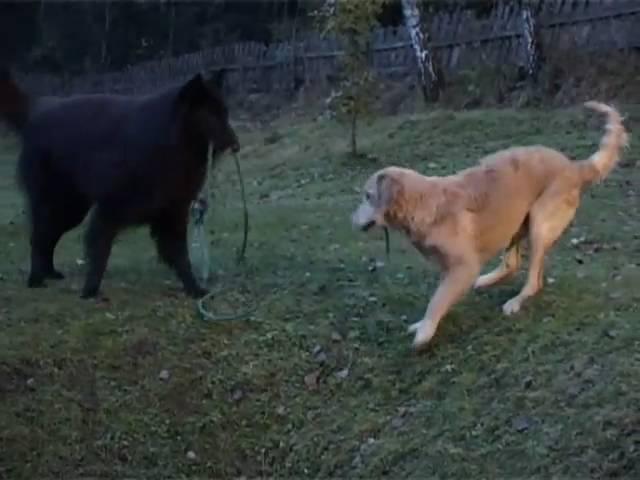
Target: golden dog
[[465, 219]]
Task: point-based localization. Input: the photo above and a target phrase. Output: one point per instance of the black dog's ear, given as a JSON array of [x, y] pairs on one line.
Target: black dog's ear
[[196, 80], [194, 89], [217, 78]]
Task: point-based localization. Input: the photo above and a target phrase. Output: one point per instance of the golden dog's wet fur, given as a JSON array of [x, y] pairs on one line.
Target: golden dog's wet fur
[[464, 220]]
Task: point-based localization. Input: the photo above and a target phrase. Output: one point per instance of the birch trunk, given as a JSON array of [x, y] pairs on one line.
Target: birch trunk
[[420, 41], [532, 46]]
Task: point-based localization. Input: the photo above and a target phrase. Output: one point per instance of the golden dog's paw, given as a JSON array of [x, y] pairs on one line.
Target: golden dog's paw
[[512, 306], [414, 327], [424, 333], [482, 281]]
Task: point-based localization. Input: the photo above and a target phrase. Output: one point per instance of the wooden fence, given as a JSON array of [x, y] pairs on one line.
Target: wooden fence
[[459, 41]]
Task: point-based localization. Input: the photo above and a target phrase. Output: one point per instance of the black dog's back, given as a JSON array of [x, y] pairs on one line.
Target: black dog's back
[[97, 144], [137, 159]]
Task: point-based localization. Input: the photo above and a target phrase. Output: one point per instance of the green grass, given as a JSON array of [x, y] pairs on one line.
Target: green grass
[[551, 392]]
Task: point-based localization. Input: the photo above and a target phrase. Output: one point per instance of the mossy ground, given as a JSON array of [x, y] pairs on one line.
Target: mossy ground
[[321, 381]]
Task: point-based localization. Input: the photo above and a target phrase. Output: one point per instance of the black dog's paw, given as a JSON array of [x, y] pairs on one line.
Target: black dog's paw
[[89, 293], [55, 275], [196, 292], [36, 281]]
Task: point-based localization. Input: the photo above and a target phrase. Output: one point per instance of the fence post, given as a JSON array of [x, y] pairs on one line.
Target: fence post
[[532, 44], [429, 78]]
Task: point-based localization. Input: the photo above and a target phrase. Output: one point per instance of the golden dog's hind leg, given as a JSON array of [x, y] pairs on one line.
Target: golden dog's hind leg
[[511, 260], [456, 282], [549, 217], [510, 264]]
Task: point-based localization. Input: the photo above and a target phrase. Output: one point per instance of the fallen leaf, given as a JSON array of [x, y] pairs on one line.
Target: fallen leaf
[[311, 380], [578, 240], [522, 424], [319, 355], [397, 422], [237, 395]]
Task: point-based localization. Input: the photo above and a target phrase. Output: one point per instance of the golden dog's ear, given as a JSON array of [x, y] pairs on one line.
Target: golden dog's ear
[[388, 188]]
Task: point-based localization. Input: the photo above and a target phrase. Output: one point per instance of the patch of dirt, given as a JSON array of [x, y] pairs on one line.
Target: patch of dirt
[[80, 380], [15, 378], [621, 462], [142, 347]]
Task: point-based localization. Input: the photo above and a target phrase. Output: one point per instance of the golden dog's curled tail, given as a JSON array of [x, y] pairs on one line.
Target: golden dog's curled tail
[[600, 164]]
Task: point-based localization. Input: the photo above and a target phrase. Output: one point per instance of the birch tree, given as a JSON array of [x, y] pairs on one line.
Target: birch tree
[[429, 79], [532, 46]]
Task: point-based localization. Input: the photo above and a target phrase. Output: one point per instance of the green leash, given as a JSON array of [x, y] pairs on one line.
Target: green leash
[[387, 249], [204, 313], [245, 213]]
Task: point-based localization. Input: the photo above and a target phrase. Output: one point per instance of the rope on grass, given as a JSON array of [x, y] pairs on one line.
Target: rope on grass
[[245, 213], [199, 212], [207, 315], [387, 249]]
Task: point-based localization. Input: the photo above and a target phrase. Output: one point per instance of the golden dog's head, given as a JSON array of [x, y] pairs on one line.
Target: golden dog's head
[[381, 191]]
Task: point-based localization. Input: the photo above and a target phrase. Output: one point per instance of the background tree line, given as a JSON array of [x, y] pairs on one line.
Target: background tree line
[[80, 37]]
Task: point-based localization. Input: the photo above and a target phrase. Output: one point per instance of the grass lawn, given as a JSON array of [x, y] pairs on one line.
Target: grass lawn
[[321, 380]]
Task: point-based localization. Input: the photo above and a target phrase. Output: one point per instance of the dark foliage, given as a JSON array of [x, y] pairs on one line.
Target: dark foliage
[[88, 37]]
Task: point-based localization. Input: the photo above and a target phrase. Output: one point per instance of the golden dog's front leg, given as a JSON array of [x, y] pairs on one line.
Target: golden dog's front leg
[[456, 281]]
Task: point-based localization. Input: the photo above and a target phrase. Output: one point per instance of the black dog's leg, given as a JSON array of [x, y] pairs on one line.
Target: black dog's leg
[[43, 244], [54, 208], [170, 235], [39, 203], [98, 242], [41, 253], [46, 231], [59, 220]]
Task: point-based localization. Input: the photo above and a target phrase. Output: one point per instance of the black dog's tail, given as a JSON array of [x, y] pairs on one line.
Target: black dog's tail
[[14, 102]]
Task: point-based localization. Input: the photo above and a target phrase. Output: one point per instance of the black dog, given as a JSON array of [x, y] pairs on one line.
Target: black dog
[[138, 160]]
